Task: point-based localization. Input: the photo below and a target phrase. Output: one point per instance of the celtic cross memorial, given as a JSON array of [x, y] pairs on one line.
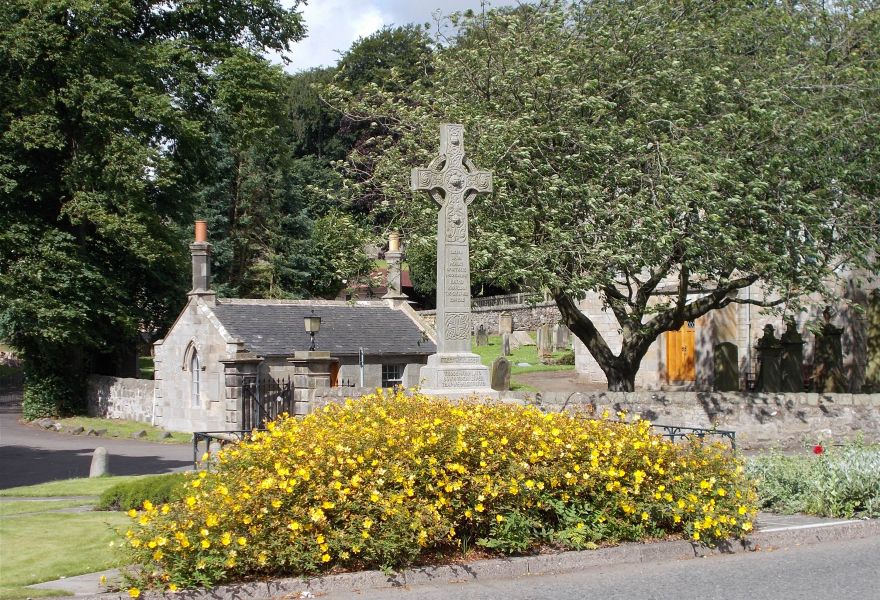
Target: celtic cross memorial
[[452, 180]]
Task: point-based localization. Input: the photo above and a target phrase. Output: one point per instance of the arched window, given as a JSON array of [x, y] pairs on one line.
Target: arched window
[[195, 373]]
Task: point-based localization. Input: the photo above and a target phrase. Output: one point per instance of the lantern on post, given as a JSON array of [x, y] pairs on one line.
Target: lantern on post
[[313, 326]]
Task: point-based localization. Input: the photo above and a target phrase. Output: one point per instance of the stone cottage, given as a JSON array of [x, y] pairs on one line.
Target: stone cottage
[[216, 355]]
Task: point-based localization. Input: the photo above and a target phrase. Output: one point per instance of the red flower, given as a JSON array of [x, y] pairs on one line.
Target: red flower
[[818, 449]]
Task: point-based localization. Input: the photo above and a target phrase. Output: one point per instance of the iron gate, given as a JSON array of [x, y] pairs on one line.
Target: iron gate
[[264, 400]]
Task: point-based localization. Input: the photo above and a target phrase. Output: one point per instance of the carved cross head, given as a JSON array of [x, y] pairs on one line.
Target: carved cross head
[[451, 177]]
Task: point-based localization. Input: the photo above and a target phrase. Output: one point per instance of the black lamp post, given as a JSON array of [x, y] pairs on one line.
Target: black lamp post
[[313, 326]]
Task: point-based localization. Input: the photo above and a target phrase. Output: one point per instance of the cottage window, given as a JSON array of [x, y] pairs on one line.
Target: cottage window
[[392, 375], [195, 373]]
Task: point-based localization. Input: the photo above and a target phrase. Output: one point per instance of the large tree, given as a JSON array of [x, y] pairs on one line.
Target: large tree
[[689, 148], [103, 105]]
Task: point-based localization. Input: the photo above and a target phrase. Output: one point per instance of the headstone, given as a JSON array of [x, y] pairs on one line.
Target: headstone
[[482, 336], [726, 361], [505, 322], [500, 374], [522, 338], [545, 340], [505, 344], [828, 360], [792, 361], [769, 355], [100, 463], [453, 182], [562, 337]]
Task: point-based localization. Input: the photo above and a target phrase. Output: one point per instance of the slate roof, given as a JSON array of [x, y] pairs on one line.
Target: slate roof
[[276, 329]]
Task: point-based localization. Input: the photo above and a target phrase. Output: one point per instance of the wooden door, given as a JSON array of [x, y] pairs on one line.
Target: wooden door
[[680, 354], [334, 373]]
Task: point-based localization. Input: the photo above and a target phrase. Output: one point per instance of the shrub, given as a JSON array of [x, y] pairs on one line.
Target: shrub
[[386, 479], [837, 482], [156, 489]]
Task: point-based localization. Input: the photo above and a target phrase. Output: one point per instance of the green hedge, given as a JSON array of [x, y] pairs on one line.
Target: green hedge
[[128, 495]]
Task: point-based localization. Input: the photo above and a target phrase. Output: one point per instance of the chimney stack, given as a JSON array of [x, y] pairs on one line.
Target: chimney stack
[[201, 264], [392, 257]]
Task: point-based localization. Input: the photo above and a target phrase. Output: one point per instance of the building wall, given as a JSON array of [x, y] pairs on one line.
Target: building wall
[[743, 325], [121, 398], [175, 410]]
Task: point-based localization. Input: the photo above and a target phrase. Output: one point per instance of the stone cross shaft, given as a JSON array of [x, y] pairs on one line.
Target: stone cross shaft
[[453, 181]]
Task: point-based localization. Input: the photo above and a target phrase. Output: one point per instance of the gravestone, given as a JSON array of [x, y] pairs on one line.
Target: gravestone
[[726, 359], [505, 344], [500, 374], [482, 336], [769, 355], [562, 337], [452, 181], [792, 361], [828, 358], [545, 340], [518, 339], [505, 323]]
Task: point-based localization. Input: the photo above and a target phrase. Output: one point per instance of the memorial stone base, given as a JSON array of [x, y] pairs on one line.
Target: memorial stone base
[[456, 375]]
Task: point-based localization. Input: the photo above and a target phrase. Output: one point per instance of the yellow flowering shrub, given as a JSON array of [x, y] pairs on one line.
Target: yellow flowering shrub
[[383, 479]]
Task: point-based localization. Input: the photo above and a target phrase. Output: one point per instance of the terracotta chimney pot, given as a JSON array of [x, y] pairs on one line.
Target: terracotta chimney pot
[[201, 231]]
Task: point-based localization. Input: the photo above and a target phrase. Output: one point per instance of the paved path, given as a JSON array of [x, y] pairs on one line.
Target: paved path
[[843, 570], [30, 455]]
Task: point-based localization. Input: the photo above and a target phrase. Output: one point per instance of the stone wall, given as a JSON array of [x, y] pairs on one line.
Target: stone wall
[[120, 398], [525, 317], [759, 420]]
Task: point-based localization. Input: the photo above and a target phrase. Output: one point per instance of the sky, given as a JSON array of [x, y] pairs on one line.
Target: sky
[[333, 25]]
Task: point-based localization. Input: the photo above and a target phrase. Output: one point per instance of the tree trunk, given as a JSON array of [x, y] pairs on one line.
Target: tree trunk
[[620, 379]]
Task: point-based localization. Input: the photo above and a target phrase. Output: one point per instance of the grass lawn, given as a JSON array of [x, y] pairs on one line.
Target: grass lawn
[[38, 545], [68, 487], [523, 354], [123, 429]]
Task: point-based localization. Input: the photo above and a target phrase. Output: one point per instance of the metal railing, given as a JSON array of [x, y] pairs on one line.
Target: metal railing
[[678, 432]]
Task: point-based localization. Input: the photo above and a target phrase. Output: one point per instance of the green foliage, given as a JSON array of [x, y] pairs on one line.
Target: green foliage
[[339, 241], [127, 495], [840, 482], [391, 58], [103, 112], [703, 147], [48, 394]]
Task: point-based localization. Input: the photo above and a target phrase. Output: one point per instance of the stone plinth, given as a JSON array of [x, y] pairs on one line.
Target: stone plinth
[[311, 371]]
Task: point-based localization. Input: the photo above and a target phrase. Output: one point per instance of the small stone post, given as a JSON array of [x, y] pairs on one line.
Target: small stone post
[[100, 462]]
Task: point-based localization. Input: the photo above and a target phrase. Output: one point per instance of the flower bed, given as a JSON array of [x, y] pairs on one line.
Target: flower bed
[[833, 481], [387, 480]]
